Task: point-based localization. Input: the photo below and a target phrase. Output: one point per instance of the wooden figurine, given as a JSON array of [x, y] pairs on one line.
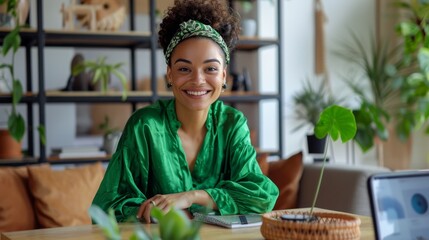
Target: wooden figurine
[[96, 15]]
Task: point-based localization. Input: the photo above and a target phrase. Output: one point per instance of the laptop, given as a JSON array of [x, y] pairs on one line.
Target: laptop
[[400, 205]]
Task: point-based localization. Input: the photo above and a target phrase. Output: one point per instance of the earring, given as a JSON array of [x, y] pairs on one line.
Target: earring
[[224, 86], [169, 85]]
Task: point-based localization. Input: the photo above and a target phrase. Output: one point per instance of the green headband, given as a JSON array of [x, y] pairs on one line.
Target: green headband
[[193, 28]]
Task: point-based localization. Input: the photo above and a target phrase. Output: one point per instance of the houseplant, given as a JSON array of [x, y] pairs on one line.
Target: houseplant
[[309, 102], [174, 225], [11, 44], [334, 122], [397, 103], [101, 73]]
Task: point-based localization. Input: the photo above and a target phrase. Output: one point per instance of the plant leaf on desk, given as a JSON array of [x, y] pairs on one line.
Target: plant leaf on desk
[[106, 222], [336, 121]]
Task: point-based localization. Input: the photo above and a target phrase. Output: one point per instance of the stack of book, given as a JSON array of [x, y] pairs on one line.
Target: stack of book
[[78, 152]]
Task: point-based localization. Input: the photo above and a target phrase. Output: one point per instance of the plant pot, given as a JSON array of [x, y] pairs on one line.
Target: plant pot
[[315, 145], [326, 225], [22, 8], [248, 27], [10, 148]]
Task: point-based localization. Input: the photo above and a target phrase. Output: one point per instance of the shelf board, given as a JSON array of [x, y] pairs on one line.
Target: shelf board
[[28, 97], [56, 160], [243, 97], [19, 162], [67, 38], [63, 38], [99, 39], [254, 43], [96, 97]]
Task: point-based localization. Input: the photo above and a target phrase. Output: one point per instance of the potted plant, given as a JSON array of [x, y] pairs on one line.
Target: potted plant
[[101, 73], [173, 225], [248, 23], [335, 122], [397, 102], [11, 43], [309, 102]]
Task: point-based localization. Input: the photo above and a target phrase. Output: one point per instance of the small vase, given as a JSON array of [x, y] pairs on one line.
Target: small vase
[[248, 27]]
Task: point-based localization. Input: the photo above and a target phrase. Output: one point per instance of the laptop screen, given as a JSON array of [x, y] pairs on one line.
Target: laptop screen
[[400, 204]]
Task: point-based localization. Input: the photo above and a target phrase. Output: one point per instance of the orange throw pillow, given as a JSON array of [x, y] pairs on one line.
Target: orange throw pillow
[[63, 197], [286, 174], [262, 159], [16, 210]]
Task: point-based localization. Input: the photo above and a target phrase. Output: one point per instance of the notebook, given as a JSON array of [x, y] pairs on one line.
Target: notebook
[[230, 221], [400, 204]]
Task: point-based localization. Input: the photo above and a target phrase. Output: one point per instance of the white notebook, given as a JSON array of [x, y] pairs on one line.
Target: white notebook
[[230, 221]]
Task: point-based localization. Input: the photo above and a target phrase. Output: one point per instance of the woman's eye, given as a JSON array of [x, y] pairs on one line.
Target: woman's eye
[[211, 69], [183, 69]]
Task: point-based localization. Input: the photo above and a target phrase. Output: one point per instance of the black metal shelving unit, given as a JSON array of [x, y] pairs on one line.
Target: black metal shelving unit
[[42, 38]]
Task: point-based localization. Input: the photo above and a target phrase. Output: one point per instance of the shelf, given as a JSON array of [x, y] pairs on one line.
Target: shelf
[[253, 43], [62, 38], [96, 97], [19, 162], [27, 98]]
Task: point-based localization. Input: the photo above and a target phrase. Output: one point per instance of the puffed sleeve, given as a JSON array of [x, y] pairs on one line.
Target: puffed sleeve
[[125, 180], [243, 187]]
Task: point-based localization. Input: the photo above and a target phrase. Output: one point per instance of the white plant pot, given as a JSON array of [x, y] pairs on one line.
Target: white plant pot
[[248, 27]]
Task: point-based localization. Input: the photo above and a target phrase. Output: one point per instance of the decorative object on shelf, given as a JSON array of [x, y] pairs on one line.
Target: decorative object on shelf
[[11, 44], [334, 122], [80, 82], [96, 15], [22, 9], [248, 24], [241, 81], [101, 73], [111, 136]]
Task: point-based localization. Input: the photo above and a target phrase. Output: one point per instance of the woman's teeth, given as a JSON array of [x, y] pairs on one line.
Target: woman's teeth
[[196, 93]]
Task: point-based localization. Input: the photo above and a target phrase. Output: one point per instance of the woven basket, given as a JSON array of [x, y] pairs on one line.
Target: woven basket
[[328, 225]]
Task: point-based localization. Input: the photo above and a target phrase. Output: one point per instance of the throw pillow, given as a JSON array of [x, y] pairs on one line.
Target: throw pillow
[[263, 163], [63, 197], [286, 174], [16, 210]]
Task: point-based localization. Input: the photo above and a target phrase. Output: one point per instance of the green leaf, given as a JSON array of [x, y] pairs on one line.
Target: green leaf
[[16, 126], [106, 222], [42, 133], [11, 41], [16, 92], [336, 121], [123, 80]]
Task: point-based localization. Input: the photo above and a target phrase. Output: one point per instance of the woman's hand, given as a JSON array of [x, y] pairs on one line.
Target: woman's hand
[[181, 200]]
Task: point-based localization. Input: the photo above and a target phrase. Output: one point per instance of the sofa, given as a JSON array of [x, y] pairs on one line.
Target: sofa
[[39, 196]]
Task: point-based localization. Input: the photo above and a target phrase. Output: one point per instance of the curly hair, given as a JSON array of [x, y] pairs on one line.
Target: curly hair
[[215, 13]]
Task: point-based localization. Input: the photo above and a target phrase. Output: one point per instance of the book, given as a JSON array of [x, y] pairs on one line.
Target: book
[[230, 221], [78, 152]]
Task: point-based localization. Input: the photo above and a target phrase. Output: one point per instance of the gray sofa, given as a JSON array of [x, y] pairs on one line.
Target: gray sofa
[[343, 188]]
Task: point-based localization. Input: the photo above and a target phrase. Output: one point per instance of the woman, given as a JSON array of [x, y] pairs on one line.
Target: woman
[[191, 151]]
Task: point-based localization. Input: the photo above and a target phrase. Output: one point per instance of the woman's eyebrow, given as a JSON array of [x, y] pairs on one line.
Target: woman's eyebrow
[[212, 60], [182, 60]]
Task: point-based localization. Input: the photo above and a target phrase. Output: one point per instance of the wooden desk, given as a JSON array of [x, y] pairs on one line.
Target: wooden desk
[[92, 232]]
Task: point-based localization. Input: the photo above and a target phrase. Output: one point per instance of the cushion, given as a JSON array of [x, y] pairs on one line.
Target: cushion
[[62, 197], [16, 210], [263, 163], [286, 174]]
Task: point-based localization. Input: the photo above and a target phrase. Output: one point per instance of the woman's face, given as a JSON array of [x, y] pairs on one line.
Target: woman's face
[[197, 73]]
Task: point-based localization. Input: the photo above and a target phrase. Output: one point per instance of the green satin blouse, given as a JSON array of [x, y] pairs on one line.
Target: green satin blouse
[[150, 160]]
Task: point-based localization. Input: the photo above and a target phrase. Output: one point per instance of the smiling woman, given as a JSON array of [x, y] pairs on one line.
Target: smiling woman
[[192, 151]]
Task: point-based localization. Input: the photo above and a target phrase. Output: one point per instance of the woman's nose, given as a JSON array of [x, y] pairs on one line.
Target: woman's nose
[[199, 77]]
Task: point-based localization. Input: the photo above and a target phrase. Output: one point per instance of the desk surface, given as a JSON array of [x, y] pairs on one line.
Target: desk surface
[[92, 232]]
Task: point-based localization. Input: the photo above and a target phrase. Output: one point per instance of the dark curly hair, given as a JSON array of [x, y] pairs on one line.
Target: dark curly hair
[[215, 13]]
